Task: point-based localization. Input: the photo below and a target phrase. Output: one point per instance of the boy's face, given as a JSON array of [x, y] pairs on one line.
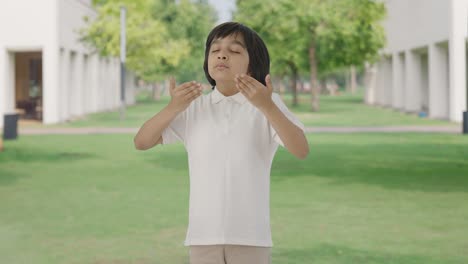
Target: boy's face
[[227, 57]]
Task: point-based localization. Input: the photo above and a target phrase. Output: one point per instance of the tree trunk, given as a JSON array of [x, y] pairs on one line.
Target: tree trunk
[[348, 81], [353, 80], [293, 83], [314, 88], [278, 87], [156, 92]]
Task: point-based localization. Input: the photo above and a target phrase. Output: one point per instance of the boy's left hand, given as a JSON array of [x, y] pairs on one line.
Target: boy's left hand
[[254, 91]]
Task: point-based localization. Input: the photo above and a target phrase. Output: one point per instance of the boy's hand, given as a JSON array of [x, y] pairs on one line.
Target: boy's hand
[[183, 95], [256, 92]]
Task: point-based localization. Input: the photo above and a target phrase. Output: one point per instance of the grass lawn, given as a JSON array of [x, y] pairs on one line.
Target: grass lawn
[[360, 198], [349, 110], [343, 110]]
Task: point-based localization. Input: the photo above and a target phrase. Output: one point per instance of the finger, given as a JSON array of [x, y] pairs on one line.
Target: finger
[[185, 85], [193, 97], [191, 93], [187, 89], [243, 88], [268, 83], [244, 93], [172, 83], [250, 83], [246, 86]]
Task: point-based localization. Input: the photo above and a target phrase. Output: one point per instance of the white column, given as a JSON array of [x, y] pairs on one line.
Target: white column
[[7, 83], [64, 85], [85, 84], [94, 81], [116, 82], [398, 81], [51, 84], [78, 85], [424, 81], [3, 82], [50, 65], [105, 86], [457, 59], [110, 87], [388, 82], [101, 88], [71, 86], [370, 83], [413, 86], [380, 82], [438, 82]]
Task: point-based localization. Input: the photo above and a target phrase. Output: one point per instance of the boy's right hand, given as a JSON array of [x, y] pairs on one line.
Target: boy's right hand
[[184, 94]]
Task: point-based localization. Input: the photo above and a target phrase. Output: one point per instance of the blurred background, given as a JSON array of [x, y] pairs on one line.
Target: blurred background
[[380, 85]]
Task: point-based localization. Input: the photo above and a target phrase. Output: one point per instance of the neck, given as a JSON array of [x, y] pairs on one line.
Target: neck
[[227, 88]]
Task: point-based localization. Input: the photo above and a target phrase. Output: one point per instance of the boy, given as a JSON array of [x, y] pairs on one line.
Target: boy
[[231, 136]]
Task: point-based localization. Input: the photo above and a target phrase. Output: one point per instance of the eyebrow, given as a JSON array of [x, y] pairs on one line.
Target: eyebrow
[[232, 42]]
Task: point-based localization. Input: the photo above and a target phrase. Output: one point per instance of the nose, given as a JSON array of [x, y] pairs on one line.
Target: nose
[[222, 56]]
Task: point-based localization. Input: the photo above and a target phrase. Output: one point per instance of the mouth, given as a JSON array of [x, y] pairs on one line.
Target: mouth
[[221, 66]]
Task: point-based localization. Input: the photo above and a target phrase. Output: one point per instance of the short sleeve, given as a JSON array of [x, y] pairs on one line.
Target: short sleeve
[[284, 109], [175, 132]]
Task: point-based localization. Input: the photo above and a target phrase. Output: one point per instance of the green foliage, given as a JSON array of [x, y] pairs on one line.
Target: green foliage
[[162, 36], [344, 32], [280, 31], [351, 34], [190, 21]]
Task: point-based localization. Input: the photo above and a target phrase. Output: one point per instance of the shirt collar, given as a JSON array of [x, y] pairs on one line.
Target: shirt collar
[[217, 96]]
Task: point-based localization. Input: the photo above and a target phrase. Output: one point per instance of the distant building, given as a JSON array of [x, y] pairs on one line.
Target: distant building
[[423, 67], [46, 74]]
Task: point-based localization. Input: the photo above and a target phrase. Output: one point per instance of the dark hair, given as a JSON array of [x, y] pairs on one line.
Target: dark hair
[[259, 59]]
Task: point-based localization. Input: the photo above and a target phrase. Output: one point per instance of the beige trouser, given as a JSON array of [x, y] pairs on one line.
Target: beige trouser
[[229, 254]]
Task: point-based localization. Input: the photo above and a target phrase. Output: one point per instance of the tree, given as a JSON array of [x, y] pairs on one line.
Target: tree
[[163, 37], [341, 33], [330, 34], [273, 22], [190, 21]]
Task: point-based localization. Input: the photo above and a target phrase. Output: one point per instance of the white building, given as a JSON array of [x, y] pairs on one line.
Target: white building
[[423, 67], [45, 72]]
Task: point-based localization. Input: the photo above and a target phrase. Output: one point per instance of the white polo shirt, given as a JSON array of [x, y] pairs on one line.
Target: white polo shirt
[[230, 146]]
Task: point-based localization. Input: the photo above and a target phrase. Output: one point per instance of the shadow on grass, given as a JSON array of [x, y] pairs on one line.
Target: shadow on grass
[[9, 176], [326, 253], [19, 155], [33, 155]]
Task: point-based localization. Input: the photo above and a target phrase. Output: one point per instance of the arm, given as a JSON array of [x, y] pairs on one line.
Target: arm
[[260, 96], [292, 136], [150, 133]]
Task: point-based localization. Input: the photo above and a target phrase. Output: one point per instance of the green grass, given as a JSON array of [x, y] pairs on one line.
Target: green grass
[[349, 110], [343, 110], [360, 198]]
